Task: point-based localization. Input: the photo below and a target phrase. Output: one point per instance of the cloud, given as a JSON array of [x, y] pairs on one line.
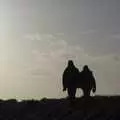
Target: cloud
[[116, 36], [41, 37], [52, 51], [88, 32], [100, 42], [50, 57], [116, 58]]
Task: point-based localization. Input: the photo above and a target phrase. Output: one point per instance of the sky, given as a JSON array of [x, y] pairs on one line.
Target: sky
[[38, 37]]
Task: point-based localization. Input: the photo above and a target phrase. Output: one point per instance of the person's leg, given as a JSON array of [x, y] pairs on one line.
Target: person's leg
[[86, 92], [71, 93]]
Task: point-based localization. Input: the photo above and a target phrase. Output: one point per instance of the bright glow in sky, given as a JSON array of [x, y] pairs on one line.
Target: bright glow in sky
[[37, 37]]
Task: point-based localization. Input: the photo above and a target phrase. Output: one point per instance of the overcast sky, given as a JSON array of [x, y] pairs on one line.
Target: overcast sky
[[37, 37]]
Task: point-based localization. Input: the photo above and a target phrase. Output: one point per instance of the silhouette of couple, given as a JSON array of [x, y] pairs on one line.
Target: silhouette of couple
[[73, 79]]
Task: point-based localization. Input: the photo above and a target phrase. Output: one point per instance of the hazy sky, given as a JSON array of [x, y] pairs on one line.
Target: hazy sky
[[37, 37]]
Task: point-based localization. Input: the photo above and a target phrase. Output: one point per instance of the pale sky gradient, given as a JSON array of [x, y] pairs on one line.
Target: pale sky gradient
[[37, 37]]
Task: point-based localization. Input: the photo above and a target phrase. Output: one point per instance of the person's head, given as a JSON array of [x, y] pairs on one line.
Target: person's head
[[85, 68], [70, 63]]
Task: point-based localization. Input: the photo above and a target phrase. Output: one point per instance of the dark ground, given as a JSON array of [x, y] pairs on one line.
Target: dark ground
[[95, 108]]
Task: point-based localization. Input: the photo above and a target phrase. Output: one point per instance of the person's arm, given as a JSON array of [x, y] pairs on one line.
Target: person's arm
[[64, 81], [94, 83]]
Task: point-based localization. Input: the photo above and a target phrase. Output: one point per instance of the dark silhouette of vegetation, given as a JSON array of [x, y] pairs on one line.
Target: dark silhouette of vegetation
[[73, 79], [94, 108]]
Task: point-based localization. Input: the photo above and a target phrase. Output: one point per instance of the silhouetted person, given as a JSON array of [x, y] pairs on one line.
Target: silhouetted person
[[88, 79], [70, 76]]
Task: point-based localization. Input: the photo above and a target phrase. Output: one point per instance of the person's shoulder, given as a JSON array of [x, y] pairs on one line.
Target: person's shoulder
[[66, 69], [91, 72], [76, 69], [82, 72]]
